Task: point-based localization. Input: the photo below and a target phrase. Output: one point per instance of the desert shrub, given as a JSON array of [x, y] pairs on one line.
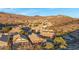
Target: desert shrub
[[23, 46], [0, 28], [60, 42], [23, 32], [37, 47], [62, 46], [49, 45], [68, 16], [6, 29]]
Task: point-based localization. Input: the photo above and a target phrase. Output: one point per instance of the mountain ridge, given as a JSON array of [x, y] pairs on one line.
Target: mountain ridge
[[59, 22]]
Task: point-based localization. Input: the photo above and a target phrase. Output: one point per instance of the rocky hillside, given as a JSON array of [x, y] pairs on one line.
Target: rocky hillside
[[58, 23], [38, 32]]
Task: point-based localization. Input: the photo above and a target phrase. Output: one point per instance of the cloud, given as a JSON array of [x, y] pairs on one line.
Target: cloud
[[28, 12], [22, 11], [8, 10]]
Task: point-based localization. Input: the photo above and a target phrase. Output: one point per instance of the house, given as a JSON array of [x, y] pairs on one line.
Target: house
[[27, 30], [15, 29], [20, 38], [35, 39], [22, 41], [48, 34]]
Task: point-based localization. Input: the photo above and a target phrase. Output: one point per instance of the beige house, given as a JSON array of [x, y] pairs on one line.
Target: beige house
[[35, 39], [19, 38], [15, 29]]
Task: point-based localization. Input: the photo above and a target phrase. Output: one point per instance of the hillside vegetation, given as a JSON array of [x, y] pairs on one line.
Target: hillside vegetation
[[37, 29]]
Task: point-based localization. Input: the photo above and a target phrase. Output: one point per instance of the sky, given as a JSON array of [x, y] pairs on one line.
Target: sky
[[72, 12]]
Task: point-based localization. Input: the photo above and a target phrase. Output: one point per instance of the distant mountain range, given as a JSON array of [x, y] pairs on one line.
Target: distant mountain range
[[59, 22]]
